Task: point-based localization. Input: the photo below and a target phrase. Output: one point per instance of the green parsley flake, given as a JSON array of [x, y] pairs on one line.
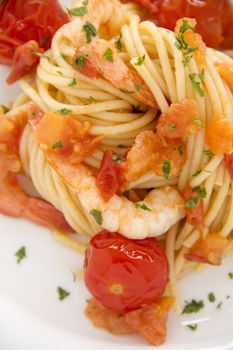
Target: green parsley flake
[[208, 153], [73, 83], [108, 54], [90, 31], [202, 75], [166, 168], [44, 41], [117, 43], [196, 173], [219, 306], [193, 306], [140, 60], [230, 274], [92, 99], [196, 84], [58, 144], [137, 86], [127, 91], [20, 254], [185, 26], [62, 293], [198, 122], [79, 11], [171, 127], [192, 203], [200, 190], [79, 62], [211, 297], [126, 193], [97, 215], [187, 51], [5, 109], [65, 111], [116, 159], [180, 149], [142, 206], [193, 327]]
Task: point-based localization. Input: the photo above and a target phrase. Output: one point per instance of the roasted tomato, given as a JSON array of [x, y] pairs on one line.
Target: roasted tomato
[[219, 135], [24, 20], [194, 207], [124, 274], [110, 176], [208, 249]]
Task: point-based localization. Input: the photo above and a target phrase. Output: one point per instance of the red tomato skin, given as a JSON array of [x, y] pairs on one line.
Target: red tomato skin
[[228, 158], [140, 267], [110, 176]]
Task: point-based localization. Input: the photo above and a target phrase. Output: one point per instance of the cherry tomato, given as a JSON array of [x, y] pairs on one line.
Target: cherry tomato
[[110, 176], [125, 274]]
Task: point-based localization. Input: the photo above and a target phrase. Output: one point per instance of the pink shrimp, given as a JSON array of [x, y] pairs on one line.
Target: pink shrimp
[[13, 200], [102, 59]]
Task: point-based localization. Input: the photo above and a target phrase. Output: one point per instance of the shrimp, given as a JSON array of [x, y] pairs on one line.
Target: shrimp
[[13, 201], [102, 59], [152, 217], [83, 31], [155, 215]]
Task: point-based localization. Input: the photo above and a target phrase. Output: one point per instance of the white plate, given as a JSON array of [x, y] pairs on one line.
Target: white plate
[[32, 317]]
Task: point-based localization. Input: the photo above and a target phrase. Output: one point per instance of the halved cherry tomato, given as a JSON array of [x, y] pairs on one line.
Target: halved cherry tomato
[[214, 17], [125, 274], [110, 176]]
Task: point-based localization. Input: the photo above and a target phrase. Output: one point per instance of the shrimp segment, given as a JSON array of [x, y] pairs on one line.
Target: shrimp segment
[[164, 206], [114, 70], [13, 201]]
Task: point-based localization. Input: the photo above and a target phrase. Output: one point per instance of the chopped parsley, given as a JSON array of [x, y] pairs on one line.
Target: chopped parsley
[[79, 62], [108, 54], [180, 149], [142, 206], [116, 159], [44, 41], [211, 297], [219, 306], [79, 11], [58, 144], [62, 293], [198, 122], [126, 193], [166, 168], [20, 254], [171, 127], [137, 86], [97, 215], [5, 109], [193, 306], [208, 153], [192, 202], [185, 26], [127, 91], [183, 46], [90, 31], [202, 75], [117, 43], [193, 327], [230, 274], [196, 173], [200, 190], [65, 111], [73, 83], [92, 99], [140, 60], [196, 84]]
